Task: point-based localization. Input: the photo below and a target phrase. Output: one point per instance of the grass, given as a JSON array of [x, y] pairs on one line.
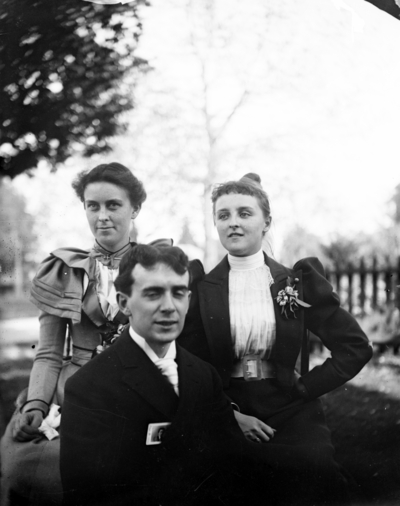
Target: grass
[[364, 417]]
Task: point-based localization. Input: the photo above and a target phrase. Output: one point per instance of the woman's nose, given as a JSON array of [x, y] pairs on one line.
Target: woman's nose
[[103, 215], [233, 222]]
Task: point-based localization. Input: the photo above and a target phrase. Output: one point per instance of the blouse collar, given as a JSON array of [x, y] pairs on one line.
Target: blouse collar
[[108, 258], [246, 263]]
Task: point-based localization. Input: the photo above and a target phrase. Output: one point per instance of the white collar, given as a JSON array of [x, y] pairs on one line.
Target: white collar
[[246, 263], [141, 342]]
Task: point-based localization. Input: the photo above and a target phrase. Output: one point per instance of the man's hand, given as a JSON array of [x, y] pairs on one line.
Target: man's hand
[[26, 426], [254, 429]]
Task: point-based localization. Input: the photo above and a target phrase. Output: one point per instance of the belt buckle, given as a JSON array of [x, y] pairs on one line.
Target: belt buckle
[[252, 367]]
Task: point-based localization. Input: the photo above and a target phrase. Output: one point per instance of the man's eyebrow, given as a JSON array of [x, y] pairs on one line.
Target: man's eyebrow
[[180, 287], [154, 288], [157, 288]]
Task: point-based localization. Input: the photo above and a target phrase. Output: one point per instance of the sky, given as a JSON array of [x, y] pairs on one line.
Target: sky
[[320, 123]]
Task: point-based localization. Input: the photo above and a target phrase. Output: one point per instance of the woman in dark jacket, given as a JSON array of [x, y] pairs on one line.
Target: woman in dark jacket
[[248, 317]]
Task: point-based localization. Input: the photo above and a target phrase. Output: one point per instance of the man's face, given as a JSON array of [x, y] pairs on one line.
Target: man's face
[[158, 303]]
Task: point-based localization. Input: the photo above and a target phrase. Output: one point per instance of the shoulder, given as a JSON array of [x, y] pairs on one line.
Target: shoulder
[[219, 272], [317, 290], [196, 270], [61, 261], [310, 264], [57, 287]]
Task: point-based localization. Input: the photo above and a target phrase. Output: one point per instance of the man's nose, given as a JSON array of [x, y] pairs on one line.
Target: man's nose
[[167, 303]]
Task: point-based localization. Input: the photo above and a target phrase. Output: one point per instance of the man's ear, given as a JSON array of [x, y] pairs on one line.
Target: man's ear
[[122, 300]]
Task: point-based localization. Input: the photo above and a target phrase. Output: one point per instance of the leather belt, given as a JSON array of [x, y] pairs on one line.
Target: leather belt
[[268, 369]]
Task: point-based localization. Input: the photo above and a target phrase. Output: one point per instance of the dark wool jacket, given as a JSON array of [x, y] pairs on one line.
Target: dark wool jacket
[[207, 331]]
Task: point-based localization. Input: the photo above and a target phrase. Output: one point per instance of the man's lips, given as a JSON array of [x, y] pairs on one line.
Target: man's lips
[[166, 323], [235, 234]]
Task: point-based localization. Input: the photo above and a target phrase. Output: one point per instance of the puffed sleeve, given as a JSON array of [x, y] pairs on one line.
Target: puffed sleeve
[[338, 330], [48, 361]]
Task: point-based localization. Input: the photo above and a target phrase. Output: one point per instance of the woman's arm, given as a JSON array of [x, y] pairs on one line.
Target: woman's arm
[[337, 329], [43, 378]]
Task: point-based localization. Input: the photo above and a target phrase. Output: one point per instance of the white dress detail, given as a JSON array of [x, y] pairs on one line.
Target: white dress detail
[[106, 290], [251, 307]]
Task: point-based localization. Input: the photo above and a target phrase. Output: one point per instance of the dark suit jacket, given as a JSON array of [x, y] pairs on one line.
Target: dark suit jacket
[[108, 406], [207, 330]]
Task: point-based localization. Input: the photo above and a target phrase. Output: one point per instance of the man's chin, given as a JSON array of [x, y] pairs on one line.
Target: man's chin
[[168, 335]]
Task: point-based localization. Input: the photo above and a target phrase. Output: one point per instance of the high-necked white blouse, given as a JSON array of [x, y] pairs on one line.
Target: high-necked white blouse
[[251, 307]]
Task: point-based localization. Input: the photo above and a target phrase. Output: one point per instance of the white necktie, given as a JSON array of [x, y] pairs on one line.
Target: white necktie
[[169, 368]]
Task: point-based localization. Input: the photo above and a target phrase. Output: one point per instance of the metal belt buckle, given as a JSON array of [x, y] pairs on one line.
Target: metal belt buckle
[[252, 367]]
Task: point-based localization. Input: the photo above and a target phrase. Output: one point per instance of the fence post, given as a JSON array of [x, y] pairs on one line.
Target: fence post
[[338, 279], [388, 281], [350, 287], [374, 283], [362, 286]]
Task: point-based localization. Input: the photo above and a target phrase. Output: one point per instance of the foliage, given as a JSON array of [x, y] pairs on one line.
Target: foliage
[[18, 241], [61, 66]]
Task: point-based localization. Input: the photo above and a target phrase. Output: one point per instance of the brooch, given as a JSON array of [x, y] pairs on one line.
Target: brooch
[[288, 299]]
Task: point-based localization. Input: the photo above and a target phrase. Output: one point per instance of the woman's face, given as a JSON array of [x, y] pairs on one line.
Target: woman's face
[[109, 213], [240, 223]]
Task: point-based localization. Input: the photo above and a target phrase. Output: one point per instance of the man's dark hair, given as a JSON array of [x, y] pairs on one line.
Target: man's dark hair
[[148, 256]]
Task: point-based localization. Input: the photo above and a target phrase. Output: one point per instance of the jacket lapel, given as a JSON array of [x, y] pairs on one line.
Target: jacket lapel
[[214, 308], [141, 375], [288, 331], [189, 382]]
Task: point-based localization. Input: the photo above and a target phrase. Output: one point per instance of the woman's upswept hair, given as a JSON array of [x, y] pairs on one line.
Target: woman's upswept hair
[[249, 184], [114, 173]]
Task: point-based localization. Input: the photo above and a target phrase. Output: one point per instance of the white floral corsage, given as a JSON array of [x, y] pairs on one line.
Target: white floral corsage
[[288, 299]]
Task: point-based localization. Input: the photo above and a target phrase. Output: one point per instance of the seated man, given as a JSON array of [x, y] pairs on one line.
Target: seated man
[[146, 422]]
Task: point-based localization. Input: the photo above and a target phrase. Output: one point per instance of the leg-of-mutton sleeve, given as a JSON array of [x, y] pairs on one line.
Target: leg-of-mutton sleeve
[[48, 361], [338, 330]]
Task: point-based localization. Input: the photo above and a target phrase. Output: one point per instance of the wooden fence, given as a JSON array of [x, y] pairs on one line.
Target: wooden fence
[[372, 294], [362, 289]]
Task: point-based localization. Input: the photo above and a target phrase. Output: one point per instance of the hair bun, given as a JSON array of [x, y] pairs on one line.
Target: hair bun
[[253, 177]]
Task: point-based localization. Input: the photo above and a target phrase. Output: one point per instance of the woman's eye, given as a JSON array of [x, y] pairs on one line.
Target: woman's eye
[[113, 206], [222, 216], [244, 215], [92, 206]]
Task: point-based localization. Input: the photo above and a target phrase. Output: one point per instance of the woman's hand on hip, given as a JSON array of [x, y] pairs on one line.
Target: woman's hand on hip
[[254, 429], [26, 426]]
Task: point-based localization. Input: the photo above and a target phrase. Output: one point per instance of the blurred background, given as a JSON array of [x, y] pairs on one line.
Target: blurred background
[[189, 93]]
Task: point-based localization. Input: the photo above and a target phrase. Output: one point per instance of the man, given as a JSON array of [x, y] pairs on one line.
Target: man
[[146, 422]]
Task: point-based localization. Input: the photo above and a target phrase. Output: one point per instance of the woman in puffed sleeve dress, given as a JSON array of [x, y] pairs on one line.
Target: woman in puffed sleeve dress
[[74, 291], [247, 318]]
